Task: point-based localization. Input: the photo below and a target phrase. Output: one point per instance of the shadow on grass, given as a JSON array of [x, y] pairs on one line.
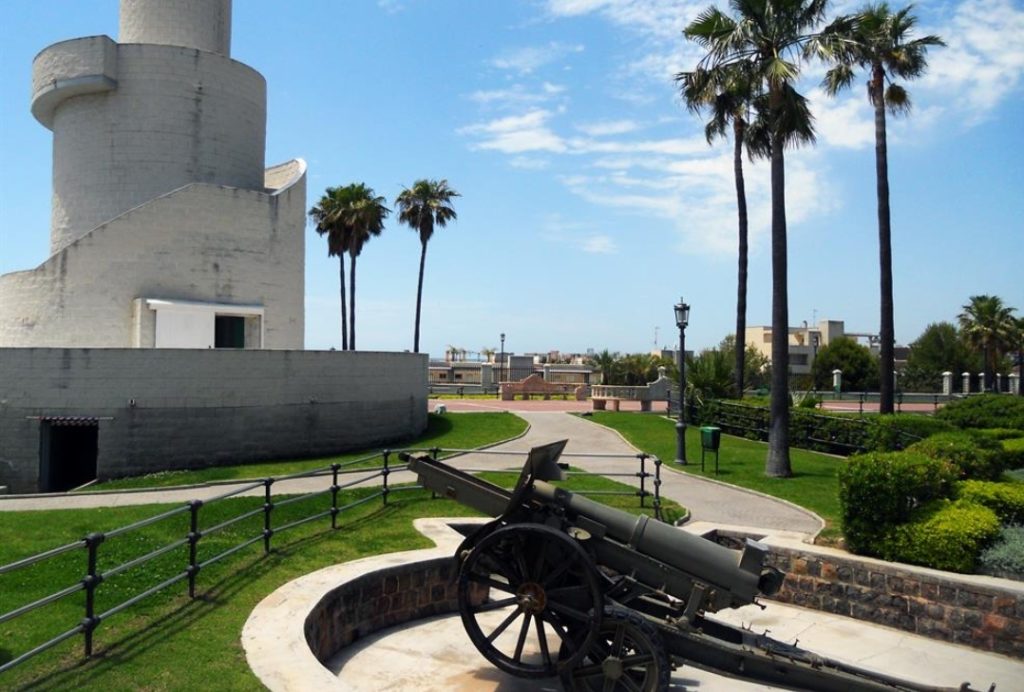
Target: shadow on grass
[[144, 632]]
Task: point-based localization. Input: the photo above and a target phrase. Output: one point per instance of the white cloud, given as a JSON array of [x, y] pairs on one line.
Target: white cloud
[[847, 121], [531, 163], [530, 58], [608, 127], [517, 134], [600, 245]]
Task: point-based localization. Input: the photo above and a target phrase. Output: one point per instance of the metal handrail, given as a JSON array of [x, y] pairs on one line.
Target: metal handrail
[[94, 578]]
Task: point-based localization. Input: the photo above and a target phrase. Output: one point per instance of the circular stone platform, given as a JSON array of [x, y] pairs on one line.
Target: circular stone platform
[[434, 654]]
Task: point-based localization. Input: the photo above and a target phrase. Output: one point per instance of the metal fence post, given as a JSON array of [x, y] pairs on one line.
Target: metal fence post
[[899, 402], [643, 477], [193, 538], [267, 507], [334, 495], [91, 581], [384, 476], [657, 488], [860, 409]]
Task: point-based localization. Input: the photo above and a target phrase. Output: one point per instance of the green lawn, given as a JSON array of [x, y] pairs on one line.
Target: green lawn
[[813, 485], [167, 641], [450, 431]]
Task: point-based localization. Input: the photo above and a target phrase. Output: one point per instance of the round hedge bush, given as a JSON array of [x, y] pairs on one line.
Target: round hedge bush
[[975, 457], [1005, 499], [943, 535], [985, 411]]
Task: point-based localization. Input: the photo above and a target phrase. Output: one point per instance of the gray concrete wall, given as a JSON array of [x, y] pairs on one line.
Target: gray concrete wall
[[195, 408]]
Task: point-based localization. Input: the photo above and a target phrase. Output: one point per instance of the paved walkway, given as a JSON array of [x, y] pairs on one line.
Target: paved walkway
[[706, 500]]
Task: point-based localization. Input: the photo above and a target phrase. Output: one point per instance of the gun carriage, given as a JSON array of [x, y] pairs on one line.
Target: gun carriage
[[559, 585]]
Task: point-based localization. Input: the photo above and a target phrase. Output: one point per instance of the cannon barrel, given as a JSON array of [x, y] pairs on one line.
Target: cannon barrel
[[740, 575]]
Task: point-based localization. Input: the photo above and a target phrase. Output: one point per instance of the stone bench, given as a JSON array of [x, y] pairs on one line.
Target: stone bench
[[537, 385], [603, 395]]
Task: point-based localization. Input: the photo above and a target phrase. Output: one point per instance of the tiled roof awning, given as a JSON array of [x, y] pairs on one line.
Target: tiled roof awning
[[69, 420]]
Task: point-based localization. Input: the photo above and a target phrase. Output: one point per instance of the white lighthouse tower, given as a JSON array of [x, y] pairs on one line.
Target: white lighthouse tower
[[166, 229]]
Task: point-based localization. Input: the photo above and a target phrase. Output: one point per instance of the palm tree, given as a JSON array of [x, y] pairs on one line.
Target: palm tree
[[728, 95], [425, 205], [327, 215], [606, 362], [767, 37], [488, 353], [876, 40], [1018, 344], [987, 324], [364, 215]]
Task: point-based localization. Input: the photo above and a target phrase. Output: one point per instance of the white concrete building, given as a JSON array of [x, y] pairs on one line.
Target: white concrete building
[[166, 230]]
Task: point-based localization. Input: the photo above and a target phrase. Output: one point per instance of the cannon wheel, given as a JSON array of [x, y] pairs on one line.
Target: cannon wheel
[[628, 654], [544, 601]]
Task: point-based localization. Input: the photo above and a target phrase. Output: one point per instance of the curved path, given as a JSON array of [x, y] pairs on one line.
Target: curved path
[[707, 500]]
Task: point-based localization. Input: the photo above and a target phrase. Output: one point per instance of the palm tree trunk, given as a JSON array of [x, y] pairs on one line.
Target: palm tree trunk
[[352, 303], [777, 464], [886, 332], [419, 299], [741, 282], [344, 308]]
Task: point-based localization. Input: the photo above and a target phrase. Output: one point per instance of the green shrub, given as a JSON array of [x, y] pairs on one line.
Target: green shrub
[[985, 411], [977, 458], [891, 433], [943, 535], [999, 433], [877, 491], [1005, 499], [1005, 557], [1014, 476], [1013, 453]]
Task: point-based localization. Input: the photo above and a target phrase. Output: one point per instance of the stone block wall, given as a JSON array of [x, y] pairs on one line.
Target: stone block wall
[[982, 612], [163, 409]]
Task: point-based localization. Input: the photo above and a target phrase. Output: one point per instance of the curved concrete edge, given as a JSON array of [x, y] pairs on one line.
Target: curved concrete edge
[[807, 537], [274, 636]]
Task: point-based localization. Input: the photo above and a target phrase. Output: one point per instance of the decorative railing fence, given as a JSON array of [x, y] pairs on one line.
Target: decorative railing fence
[[195, 534]]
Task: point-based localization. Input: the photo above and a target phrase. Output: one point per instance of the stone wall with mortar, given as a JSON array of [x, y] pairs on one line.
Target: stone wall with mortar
[[178, 408], [978, 611]]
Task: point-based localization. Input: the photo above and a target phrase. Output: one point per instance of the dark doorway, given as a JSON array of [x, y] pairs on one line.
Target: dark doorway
[[67, 454], [229, 332]]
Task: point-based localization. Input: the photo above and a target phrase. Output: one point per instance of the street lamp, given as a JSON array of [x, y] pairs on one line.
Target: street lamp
[[501, 360], [682, 319]]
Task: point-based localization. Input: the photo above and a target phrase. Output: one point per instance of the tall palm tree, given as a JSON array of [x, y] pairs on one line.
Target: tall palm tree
[[728, 95], [428, 203], [606, 362], [987, 325], [364, 216], [768, 36], [328, 218], [876, 40]]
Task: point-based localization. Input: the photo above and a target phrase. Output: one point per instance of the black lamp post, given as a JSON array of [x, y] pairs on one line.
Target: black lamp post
[[682, 319], [501, 360]]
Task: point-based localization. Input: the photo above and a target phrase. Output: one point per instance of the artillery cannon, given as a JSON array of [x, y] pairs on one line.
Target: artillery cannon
[[561, 585]]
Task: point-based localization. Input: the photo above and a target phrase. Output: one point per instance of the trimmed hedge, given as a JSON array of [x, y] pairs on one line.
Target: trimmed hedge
[[944, 535], [1005, 499], [880, 490], [977, 458], [1013, 453], [999, 433], [890, 433], [985, 411]]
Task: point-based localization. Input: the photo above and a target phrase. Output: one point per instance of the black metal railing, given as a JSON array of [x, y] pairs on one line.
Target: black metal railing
[[194, 533]]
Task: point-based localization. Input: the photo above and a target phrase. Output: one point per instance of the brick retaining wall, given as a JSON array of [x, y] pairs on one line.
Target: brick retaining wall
[[982, 612]]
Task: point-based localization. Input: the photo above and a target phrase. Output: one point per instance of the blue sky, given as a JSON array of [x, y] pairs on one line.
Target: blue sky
[[591, 201]]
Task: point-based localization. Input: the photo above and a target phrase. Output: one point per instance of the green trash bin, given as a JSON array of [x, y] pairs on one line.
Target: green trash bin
[[710, 438]]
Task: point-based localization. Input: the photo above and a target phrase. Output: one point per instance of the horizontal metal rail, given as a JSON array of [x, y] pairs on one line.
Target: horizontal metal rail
[[146, 522], [237, 491], [45, 600], [304, 520], [144, 558], [145, 594], [39, 557], [233, 520], [231, 551], [300, 498], [42, 647]]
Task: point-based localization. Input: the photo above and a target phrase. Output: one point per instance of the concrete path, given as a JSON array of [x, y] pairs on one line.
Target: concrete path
[[706, 500]]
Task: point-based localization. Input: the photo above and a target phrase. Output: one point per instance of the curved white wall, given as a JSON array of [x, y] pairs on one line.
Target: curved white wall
[[176, 116], [202, 24]]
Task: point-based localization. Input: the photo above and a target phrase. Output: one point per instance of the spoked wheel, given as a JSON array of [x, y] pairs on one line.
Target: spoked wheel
[[530, 600], [628, 655]]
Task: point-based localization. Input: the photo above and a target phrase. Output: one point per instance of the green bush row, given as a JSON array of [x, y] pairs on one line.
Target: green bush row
[[1005, 499], [985, 411], [975, 457], [880, 490], [890, 433], [943, 534], [1013, 453]]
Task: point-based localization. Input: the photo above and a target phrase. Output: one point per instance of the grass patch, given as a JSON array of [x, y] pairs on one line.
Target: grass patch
[[814, 484], [451, 431], [167, 641]]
